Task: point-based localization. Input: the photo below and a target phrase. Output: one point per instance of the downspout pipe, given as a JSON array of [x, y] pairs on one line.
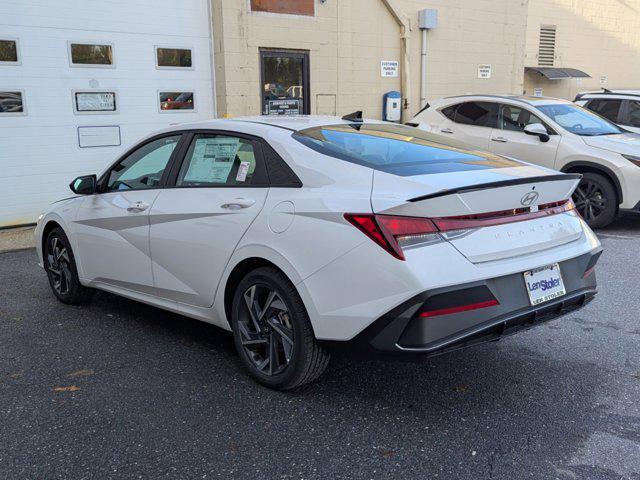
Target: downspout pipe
[[405, 72], [423, 69]]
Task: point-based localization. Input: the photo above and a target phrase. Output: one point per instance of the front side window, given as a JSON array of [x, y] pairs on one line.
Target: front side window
[[606, 107], [11, 102], [515, 118], [479, 114], [395, 149], [218, 160], [8, 51], [170, 101], [173, 57], [144, 167], [91, 54], [634, 113], [578, 120]]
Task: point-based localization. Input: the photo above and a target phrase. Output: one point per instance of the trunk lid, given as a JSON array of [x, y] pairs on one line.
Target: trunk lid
[[473, 194]]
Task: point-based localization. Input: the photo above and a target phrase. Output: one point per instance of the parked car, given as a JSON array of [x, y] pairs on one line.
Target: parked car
[[305, 234], [621, 107], [552, 133]]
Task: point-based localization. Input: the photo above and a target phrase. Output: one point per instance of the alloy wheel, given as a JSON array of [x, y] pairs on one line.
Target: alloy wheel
[[59, 265], [590, 200], [265, 329]]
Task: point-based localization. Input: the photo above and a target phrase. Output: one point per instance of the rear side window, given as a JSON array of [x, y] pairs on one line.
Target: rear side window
[[395, 149], [479, 114], [450, 112], [634, 113], [606, 107]]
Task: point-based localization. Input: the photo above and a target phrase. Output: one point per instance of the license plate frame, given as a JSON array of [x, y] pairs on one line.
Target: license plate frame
[[541, 280]]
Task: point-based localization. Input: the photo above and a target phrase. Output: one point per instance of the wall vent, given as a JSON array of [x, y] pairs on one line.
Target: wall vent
[[547, 45]]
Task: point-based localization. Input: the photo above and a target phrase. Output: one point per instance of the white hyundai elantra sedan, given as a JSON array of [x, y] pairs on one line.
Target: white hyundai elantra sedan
[[304, 234]]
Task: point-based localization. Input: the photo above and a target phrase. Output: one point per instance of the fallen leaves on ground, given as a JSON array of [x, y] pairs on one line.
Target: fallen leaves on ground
[[70, 388]]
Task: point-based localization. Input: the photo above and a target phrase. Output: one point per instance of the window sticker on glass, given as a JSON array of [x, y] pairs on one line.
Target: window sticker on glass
[[243, 170], [212, 160]]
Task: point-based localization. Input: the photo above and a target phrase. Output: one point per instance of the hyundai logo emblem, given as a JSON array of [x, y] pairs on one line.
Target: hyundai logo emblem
[[529, 199]]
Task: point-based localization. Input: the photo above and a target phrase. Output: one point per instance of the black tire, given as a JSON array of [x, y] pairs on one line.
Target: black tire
[[61, 269], [264, 334], [596, 200]]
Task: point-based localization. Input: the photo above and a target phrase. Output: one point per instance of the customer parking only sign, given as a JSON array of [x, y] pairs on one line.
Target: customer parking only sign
[[389, 68]]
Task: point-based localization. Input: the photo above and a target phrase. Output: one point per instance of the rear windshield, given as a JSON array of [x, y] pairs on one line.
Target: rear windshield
[[395, 149]]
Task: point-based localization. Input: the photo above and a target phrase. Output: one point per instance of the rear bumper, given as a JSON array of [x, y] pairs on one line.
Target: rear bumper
[[402, 332]]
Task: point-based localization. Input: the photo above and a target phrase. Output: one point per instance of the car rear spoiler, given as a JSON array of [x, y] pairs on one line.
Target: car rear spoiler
[[501, 183]]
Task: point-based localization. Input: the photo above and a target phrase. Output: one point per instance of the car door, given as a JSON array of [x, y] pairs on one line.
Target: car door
[[112, 226], [214, 195], [510, 140], [469, 123]]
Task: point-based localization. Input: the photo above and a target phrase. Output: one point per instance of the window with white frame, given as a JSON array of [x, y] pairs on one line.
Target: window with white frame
[[9, 51], [12, 103], [92, 101], [91, 54], [176, 101], [168, 57]]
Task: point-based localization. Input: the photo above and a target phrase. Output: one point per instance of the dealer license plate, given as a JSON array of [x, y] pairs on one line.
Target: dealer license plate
[[544, 284]]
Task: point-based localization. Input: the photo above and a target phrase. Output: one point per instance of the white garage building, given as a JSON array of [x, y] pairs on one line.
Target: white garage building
[[80, 82]]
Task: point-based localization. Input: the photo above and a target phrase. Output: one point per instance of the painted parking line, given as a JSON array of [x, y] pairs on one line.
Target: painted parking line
[[624, 237]]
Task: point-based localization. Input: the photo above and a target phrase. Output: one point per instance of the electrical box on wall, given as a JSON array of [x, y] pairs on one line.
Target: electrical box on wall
[[428, 18], [391, 106]]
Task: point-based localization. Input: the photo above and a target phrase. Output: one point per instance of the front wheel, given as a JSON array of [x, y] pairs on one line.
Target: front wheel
[[272, 331], [596, 200], [61, 269]]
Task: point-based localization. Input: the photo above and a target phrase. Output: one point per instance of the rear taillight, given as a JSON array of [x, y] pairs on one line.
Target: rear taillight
[[465, 222], [394, 232]]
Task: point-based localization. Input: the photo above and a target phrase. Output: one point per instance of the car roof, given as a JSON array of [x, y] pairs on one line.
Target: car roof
[[608, 93], [526, 99], [293, 123]]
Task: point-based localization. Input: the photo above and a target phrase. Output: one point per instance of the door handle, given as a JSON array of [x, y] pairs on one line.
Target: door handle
[[499, 139], [137, 207], [446, 130], [238, 203]]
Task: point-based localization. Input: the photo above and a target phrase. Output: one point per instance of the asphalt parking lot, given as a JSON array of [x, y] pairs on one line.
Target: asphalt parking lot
[[121, 390]]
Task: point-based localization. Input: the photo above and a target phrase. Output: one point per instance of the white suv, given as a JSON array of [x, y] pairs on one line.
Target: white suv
[[619, 106], [550, 132]]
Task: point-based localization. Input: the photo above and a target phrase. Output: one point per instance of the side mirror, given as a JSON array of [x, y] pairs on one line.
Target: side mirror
[[538, 130], [85, 185]]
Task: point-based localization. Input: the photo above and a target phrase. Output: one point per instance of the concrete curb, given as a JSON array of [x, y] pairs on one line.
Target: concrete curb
[[16, 239]]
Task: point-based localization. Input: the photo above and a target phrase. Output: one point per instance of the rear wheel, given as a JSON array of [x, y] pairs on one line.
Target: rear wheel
[[61, 269], [272, 331], [596, 200]]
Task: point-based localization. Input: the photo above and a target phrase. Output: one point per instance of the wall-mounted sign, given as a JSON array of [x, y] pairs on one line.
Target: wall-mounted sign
[[603, 79], [102, 136], [389, 68], [95, 101], [484, 71], [537, 92], [287, 106]]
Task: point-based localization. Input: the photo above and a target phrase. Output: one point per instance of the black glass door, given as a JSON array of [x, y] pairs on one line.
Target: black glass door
[[284, 82]]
